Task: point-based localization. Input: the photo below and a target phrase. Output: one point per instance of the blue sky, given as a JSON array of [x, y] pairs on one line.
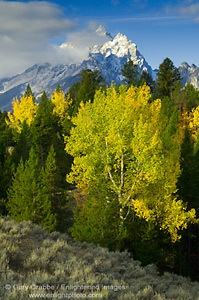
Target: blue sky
[[31, 32]]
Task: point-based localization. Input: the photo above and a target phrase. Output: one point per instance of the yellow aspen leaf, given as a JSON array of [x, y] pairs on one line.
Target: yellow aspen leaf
[[117, 148], [23, 110], [61, 104]]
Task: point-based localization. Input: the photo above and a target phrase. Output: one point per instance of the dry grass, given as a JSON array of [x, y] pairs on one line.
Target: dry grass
[[31, 257]]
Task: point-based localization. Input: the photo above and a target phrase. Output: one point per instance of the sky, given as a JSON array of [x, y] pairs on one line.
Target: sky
[[32, 31]]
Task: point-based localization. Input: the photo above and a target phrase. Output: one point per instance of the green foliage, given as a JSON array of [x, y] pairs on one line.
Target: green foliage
[[146, 78], [185, 96], [185, 180], [130, 73], [6, 150], [28, 196], [167, 77], [117, 147], [47, 130], [97, 220], [43, 128], [83, 91], [148, 133], [188, 190], [170, 135]]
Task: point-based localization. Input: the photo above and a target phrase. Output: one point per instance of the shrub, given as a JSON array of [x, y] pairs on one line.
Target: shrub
[[32, 257]]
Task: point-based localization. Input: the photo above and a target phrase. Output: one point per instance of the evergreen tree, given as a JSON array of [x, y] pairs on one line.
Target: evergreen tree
[[22, 145], [187, 95], [170, 136], [195, 176], [29, 92], [96, 220], [84, 90], [44, 128], [6, 152], [26, 200], [146, 78], [167, 77], [188, 190], [185, 180], [194, 230], [130, 73]]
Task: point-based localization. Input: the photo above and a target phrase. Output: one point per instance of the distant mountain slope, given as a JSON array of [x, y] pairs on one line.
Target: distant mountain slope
[[108, 58], [189, 74], [37, 264]]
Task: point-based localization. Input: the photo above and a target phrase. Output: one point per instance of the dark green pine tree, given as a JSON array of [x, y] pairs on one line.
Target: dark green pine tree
[[19, 150], [26, 199], [49, 180], [185, 181], [44, 129], [85, 89], [187, 193], [195, 227], [29, 92], [6, 150], [89, 82], [190, 96], [22, 145], [2, 205], [170, 121], [196, 176], [51, 190], [167, 76], [130, 73], [146, 78]]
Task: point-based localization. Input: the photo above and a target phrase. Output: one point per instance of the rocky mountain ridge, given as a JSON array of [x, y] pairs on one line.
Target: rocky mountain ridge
[[108, 58]]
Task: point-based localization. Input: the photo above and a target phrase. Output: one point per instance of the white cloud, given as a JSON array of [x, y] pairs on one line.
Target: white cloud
[[79, 43], [186, 9], [191, 10], [26, 30]]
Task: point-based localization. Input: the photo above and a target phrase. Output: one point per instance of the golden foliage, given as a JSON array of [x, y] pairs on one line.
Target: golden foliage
[[23, 110], [116, 145], [61, 104]]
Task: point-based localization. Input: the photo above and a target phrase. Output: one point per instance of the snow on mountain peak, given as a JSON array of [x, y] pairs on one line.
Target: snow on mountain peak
[[108, 56], [101, 31], [184, 65], [189, 74], [119, 46], [67, 45]]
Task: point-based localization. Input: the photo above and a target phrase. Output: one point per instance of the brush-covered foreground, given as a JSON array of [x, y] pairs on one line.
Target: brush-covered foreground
[[36, 264]]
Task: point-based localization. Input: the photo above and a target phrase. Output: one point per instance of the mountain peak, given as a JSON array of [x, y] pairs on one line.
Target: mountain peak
[[119, 46], [101, 31], [108, 58], [67, 45], [185, 65]]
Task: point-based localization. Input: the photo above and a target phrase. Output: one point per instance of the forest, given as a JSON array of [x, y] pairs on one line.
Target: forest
[[114, 166]]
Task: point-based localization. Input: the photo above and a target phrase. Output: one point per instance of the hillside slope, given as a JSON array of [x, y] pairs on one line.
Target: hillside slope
[[37, 264], [108, 59]]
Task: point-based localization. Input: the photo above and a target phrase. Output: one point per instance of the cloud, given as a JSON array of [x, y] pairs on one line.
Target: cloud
[[77, 45], [26, 32], [191, 10], [187, 9], [146, 19], [115, 2]]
